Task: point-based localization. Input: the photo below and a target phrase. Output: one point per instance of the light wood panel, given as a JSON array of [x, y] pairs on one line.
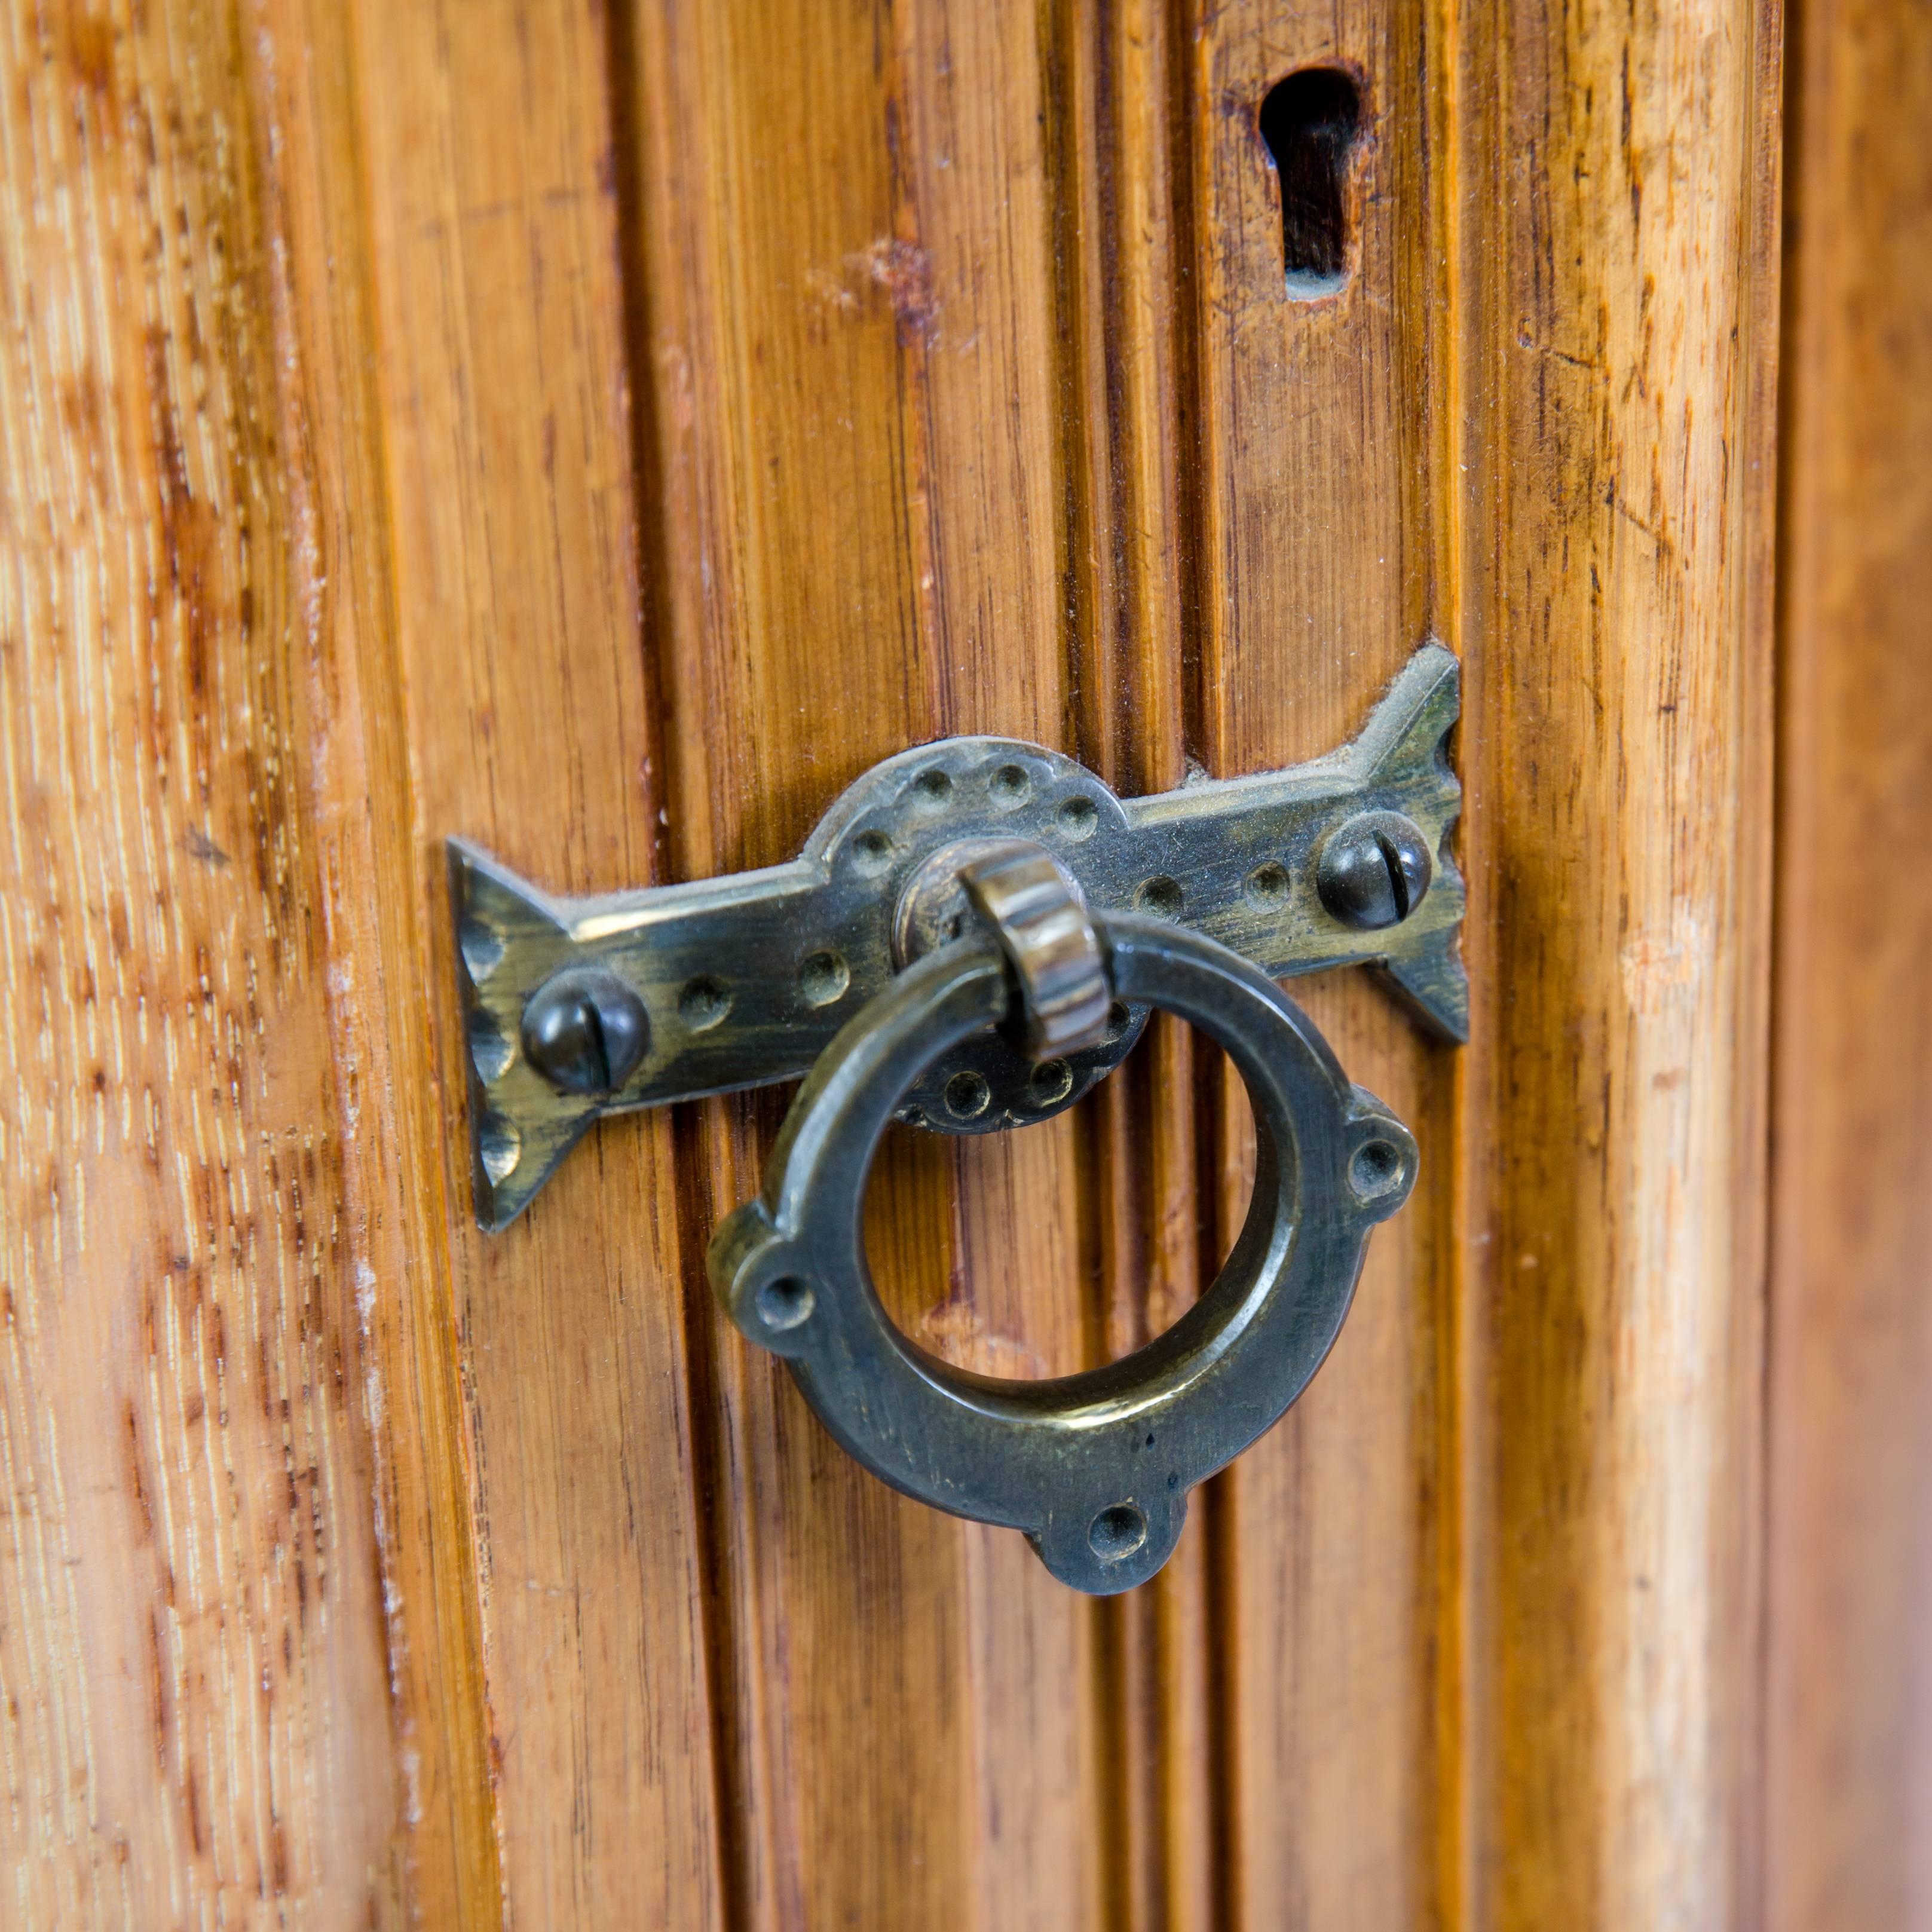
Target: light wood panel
[[1613, 282], [848, 321], [1848, 1831], [492, 188], [1317, 564], [237, 1645]]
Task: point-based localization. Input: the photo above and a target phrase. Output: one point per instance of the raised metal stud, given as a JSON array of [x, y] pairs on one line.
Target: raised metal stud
[[585, 1031]]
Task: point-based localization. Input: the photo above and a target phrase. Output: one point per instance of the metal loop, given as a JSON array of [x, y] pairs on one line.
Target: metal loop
[[1039, 917], [1095, 1468]]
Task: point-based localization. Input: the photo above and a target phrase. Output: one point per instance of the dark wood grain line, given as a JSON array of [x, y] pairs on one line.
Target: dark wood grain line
[[666, 779]]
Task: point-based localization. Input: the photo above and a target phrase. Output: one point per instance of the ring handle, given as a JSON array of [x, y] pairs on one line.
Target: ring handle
[[1094, 1468]]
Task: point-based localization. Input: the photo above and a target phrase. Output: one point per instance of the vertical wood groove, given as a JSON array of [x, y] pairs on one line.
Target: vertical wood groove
[[281, 1526], [323, 266], [512, 480], [1848, 1767], [713, 1487], [878, 564], [1113, 173], [1315, 566], [604, 430], [1614, 328]]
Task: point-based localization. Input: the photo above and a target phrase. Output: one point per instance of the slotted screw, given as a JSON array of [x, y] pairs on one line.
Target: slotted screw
[[1374, 871], [585, 1030]]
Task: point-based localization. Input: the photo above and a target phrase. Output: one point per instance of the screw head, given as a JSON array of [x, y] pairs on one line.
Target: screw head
[[585, 1030], [1374, 871]]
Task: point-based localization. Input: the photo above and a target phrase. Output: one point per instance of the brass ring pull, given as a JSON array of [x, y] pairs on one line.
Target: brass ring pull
[[1094, 1468]]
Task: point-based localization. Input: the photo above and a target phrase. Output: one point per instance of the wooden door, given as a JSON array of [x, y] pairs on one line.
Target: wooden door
[[602, 428]]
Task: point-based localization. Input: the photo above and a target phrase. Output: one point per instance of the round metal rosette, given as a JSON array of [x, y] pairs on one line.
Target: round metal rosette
[[1094, 1468]]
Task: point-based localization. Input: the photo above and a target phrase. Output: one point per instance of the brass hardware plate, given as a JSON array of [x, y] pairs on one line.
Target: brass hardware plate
[[677, 992]]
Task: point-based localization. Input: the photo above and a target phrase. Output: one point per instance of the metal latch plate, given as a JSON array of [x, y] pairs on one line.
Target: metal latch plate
[[741, 981]]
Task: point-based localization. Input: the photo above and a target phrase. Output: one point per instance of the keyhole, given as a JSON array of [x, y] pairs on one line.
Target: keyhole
[[1310, 121]]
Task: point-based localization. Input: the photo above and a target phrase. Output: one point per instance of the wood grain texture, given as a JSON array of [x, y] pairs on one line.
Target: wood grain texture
[[1117, 159], [848, 327], [1848, 1813], [237, 1643], [493, 227], [603, 430], [1318, 566], [1614, 282]]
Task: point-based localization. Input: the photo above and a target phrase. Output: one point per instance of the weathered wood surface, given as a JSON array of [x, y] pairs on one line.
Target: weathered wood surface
[[1849, 1709], [503, 378], [843, 343], [604, 431], [237, 1624], [1611, 405], [1321, 558]]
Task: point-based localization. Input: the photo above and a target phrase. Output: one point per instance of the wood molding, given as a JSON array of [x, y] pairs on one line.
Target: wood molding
[[1849, 1768]]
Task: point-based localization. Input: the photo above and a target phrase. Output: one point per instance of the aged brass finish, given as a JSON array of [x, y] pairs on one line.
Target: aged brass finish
[[745, 980], [1037, 913], [584, 1030], [1373, 871], [974, 935], [1095, 1469]]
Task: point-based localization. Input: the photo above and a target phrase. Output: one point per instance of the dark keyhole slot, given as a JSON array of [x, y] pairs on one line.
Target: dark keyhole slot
[[1310, 121]]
